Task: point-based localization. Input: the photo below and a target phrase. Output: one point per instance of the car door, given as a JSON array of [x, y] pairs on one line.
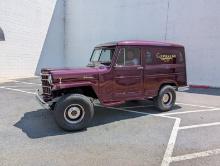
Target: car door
[[128, 74], [150, 76]]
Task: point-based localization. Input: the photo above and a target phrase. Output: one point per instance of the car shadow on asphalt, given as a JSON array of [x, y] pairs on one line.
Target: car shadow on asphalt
[[40, 123]]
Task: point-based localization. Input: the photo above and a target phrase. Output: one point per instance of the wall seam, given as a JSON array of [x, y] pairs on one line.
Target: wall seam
[[64, 29], [167, 19]]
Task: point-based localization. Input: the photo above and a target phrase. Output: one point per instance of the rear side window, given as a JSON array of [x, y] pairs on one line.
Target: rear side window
[[168, 56], [165, 58], [129, 57], [163, 55], [148, 58], [180, 57]]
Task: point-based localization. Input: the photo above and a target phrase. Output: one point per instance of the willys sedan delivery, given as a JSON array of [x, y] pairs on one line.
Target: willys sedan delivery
[[117, 72]]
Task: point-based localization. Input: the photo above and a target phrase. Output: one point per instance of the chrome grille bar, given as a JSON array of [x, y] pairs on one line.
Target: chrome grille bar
[[45, 84]]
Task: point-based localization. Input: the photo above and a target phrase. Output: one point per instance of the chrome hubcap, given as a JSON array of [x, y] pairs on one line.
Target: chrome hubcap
[[167, 98], [74, 113]]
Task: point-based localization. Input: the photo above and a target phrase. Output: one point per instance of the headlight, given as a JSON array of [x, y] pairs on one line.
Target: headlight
[[50, 80]]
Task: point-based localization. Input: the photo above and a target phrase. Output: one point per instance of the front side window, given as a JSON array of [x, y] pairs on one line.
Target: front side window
[[102, 55], [96, 55], [129, 57]]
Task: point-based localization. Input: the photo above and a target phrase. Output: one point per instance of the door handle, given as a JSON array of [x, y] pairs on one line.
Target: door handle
[[140, 68]]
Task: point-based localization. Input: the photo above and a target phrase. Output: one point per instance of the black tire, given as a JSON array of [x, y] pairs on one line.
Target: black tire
[[134, 101], [73, 112], [52, 106], [165, 92]]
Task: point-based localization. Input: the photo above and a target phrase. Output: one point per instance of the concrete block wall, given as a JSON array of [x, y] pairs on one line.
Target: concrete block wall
[[25, 24]]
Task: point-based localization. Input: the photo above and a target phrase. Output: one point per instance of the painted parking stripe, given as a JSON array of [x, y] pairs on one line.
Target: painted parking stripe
[[17, 90], [12, 86], [28, 83], [199, 125], [194, 105], [194, 111], [170, 146], [196, 155], [137, 112]]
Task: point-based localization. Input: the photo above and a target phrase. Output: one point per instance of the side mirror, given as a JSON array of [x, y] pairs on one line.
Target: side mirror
[[117, 66]]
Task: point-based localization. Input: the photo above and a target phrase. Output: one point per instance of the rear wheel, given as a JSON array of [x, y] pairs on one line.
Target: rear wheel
[[166, 98], [73, 112]]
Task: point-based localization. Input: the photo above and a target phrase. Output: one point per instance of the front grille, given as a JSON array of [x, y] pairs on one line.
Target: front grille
[[45, 84]]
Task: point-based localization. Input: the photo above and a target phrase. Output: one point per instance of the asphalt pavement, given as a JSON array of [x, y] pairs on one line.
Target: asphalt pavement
[[132, 134]]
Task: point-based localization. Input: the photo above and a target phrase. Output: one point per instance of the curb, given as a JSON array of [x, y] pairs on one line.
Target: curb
[[203, 87]]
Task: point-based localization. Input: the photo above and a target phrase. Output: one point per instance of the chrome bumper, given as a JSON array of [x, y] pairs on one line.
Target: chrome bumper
[[41, 101], [184, 88]]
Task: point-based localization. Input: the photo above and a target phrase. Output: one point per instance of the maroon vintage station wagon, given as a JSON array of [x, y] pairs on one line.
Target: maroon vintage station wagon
[[117, 72]]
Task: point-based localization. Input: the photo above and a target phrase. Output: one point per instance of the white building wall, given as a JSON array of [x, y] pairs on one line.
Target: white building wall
[[195, 23], [37, 35], [25, 24], [52, 54], [89, 23]]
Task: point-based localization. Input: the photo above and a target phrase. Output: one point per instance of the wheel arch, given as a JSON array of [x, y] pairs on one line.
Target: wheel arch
[[86, 90], [171, 83]]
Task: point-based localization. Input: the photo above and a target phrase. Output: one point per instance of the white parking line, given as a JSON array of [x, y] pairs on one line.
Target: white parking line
[[199, 125], [12, 86], [196, 155], [170, 146], [17, 90], [193, 105], [169, 150], [194, 111], [29, 83]]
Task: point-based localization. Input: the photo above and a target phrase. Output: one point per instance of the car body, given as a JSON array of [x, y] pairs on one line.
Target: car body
[[119, 72]]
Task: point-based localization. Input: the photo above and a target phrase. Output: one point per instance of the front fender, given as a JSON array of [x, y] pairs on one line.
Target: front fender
[[93, 84], [60, 86]]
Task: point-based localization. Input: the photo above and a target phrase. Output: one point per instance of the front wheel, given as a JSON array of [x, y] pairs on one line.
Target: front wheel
[[73, 112], [166, 98]]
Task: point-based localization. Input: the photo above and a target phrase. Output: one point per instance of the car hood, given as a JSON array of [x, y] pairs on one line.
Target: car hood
[[65, 73]]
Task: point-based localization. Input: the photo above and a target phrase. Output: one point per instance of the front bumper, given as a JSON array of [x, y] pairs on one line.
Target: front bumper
[[183, 88], [41, 101]]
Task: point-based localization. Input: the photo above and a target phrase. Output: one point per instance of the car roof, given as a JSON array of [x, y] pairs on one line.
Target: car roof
[[139, 43]]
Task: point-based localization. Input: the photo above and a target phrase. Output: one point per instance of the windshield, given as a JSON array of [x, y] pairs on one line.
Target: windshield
[[102, 55]]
